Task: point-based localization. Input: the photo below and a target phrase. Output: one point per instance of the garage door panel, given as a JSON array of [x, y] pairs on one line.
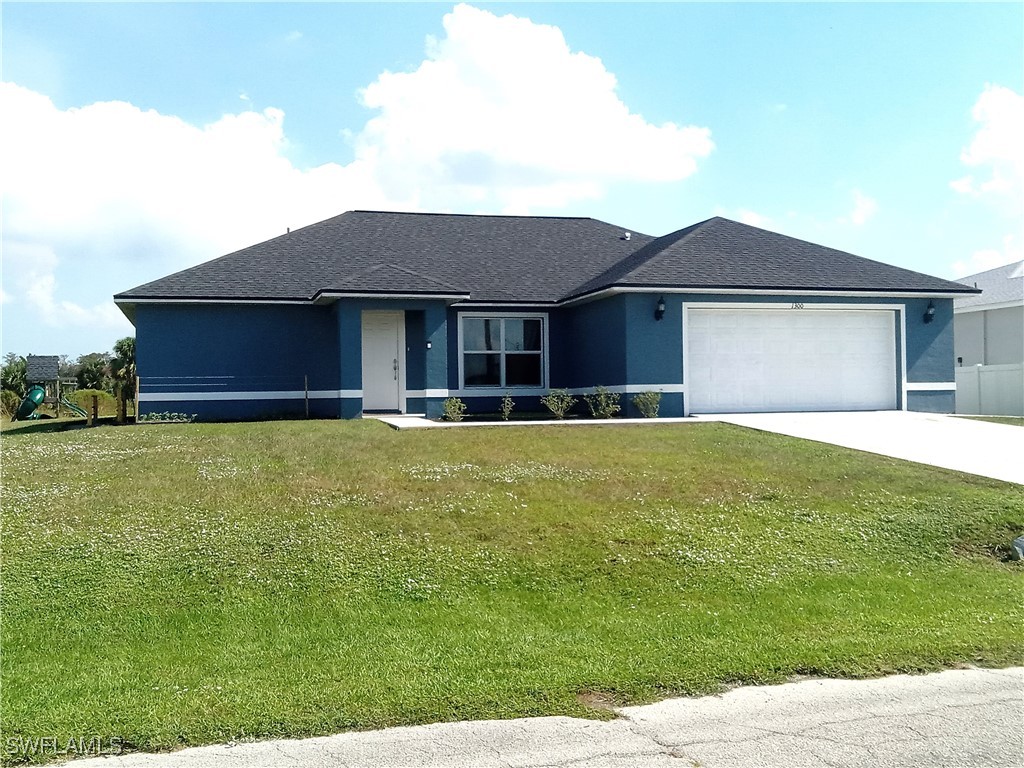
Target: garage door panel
[[774, 360]]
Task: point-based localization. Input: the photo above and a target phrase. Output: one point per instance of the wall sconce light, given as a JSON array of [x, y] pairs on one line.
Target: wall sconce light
[[929, 314], [659, 310]]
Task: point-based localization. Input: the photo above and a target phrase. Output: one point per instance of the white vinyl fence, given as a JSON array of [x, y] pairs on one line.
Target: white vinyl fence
[[992, 390]]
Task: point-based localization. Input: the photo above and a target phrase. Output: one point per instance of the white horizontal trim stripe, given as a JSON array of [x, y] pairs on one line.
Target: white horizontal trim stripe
[[403, 296], [931, 386], [427, 393], [119, 302], [297, 394], [627, 389], [509, 305], [763, 292]]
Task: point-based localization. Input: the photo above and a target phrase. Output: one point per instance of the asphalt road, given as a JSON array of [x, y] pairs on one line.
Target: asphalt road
[[957, 718]]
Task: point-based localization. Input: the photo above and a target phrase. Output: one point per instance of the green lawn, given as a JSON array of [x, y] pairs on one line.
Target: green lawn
[[182, 584]]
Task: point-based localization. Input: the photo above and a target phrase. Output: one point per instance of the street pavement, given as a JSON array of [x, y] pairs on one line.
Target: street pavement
[[958, 718]]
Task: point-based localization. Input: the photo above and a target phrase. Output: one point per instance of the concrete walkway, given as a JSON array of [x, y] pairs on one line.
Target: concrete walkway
[[965, 445], [957, 718]]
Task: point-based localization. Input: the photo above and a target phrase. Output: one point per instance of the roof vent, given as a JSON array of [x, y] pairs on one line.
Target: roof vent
[[627, 235]]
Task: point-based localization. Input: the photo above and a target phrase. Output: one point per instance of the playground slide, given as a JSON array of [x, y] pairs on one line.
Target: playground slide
[[74, 408], [33, 398]]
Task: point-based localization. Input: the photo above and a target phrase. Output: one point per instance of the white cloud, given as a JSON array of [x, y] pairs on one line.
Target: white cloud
[[1011, 250], [478, 126], [996, 150], [754, 219], [481, 122], [864, 207], [745, 216]]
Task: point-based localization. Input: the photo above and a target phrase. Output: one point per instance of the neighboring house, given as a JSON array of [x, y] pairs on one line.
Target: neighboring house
[[372, 311], [989, 342]]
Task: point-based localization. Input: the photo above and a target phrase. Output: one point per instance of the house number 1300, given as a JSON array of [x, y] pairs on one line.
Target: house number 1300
[[797, 305]]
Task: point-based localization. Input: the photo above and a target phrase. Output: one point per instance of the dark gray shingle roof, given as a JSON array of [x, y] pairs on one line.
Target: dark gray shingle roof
[[1002, 285], [523, 259], [491, 258], [720, 253]]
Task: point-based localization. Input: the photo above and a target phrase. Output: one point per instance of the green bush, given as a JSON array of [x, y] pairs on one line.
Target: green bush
[[454, 409], [602, 403], [507, 404], [83, 399], [9, 402], [558, 402], [648, 403]]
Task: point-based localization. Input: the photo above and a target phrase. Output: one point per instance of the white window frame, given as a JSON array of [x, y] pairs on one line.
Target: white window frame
[[498, 388]]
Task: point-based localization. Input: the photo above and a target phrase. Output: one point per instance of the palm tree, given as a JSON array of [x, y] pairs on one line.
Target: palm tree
[[122, 369]]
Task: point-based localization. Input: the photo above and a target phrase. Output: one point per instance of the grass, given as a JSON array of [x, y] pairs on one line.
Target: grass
[[1013, 421], [188, 584]]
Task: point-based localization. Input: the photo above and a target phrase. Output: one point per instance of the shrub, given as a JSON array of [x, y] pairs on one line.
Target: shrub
[[168, 416], [83, 399], [647, 403], [507, 404], [559, 401], [454, 409], [602, 403], [9, 402]]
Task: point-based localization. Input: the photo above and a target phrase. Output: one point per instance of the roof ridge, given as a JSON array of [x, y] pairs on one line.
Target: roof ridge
[[635, 260], [478, 215], [1015, 263]]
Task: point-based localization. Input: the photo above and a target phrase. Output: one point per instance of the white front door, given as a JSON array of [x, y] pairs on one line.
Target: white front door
[[383, 368], [743, 360]]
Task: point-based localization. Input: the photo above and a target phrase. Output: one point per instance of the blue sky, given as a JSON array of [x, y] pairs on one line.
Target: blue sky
[[141, 139]]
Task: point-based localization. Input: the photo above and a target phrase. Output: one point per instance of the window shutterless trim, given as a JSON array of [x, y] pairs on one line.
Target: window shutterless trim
[[488, 389]]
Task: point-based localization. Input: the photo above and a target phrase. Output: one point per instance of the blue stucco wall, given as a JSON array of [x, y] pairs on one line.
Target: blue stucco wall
[[212, 350], [425, 369], [615, 342]]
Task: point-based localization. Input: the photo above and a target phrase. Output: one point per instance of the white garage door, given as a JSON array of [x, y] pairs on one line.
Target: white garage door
[[743, 360]]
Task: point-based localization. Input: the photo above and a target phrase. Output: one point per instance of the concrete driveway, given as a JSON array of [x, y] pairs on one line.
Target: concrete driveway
[[965, 445], [957, 718]]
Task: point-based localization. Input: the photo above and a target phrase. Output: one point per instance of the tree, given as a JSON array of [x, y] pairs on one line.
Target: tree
[[13, 374], [92, 371], [122, 366], [66, 367], [122, 370]]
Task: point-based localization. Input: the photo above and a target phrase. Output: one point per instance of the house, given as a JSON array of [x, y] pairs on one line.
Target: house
[[393, 312], [989, 342]]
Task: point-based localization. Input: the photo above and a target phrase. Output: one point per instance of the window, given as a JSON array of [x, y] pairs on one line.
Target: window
[[502, 352]]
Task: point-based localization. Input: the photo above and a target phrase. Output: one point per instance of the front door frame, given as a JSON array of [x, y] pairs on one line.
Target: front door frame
[[399, 319]]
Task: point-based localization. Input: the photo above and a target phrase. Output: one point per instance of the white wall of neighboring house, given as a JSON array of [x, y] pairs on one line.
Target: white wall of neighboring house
[[989, 337], [988, 342]]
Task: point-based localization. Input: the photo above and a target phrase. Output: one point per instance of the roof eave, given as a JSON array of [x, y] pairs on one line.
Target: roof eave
[[764, 290]]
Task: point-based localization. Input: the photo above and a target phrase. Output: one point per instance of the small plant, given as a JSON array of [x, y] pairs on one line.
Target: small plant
[[454, 409], [168, 417], [507, 404], [647, 403], [602, 403], [559, 401]]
